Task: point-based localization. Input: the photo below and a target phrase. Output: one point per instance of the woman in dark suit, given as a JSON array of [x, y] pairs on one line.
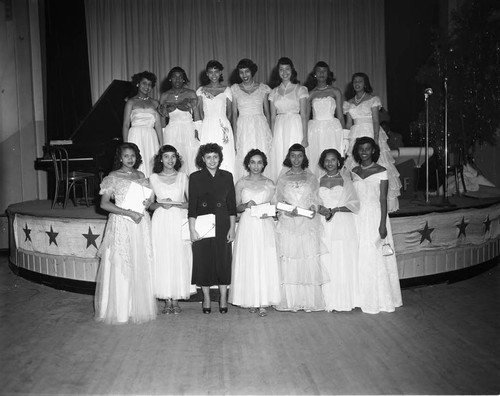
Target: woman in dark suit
[[211, 190]]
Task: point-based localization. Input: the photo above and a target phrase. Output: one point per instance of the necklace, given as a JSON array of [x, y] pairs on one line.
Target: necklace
[[322, 89], [358, 101], [125, 171], [141, 98], [296, 173], [247, 87], [178, 94], [335, 175], [367, 167], [167, 174]]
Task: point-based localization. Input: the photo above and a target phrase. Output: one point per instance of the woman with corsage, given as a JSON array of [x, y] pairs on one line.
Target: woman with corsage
[[255, 276], [338, 209], [211, 191], [214, 108], [124, 285], [378, 270], [298, 235]]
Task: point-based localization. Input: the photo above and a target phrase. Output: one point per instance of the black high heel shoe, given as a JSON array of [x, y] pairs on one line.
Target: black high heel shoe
[[222, 310], [206, 310]]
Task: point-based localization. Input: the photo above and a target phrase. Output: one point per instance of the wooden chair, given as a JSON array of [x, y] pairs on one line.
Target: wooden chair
[[66, 179]]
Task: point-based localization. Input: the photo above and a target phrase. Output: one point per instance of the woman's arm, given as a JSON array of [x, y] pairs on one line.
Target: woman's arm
[[303, 117], [265, 105], [234, 120], [192, 204], [158, 129], [348, 124], [109, 206], [339, 107], [231, 234], [376, 124], [273, 112], [384, 188], [126, 119]]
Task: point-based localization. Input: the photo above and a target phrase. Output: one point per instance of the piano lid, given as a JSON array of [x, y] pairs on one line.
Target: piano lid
[[105, 119]]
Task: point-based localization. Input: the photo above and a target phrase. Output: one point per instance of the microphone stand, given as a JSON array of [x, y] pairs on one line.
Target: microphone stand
[[426, 96]]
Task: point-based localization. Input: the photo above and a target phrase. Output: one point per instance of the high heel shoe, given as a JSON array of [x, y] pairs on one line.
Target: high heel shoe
[[206, 310], [222, 310]]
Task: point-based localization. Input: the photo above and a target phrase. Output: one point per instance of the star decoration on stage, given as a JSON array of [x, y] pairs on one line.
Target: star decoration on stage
[[27, 232], [487, 224], [52, 236], [91, 238], [426, 233], [462, 226]]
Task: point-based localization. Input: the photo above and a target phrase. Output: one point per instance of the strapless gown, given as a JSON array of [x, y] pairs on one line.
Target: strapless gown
[[180, 133], [255, 275], [324, 131], [143, 134], [341, 261]]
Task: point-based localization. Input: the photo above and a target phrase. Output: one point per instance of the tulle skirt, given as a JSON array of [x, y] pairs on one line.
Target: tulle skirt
[[180, 134], [214, 130], [255, 274], [302, 272], [124, 285]]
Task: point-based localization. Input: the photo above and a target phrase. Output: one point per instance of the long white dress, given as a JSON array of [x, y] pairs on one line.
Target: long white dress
[[143, 134], [378, 274], [341, 238], [324, 131], [288, 125], [180, 133], [299, 246], [363, 126], [252, 127], [255, 276], [124, 284], [173, 258], [216, 128]]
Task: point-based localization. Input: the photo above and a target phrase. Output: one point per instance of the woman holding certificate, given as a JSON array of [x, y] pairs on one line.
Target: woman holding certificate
[[212, 195], [298, 232], [124, 289], [172, 254], [255, 278]]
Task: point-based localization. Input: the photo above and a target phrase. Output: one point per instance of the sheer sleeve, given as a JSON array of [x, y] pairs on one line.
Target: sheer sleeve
[[302, 92], [265, 88], [376, 102], [107, 186], [199, 91], [346, 107], [272, 95], [349, 197]]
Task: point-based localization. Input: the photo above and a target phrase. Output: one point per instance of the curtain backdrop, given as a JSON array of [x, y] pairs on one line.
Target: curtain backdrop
[[128, 36]]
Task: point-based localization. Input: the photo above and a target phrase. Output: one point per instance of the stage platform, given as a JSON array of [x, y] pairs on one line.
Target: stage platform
[[59, 246]]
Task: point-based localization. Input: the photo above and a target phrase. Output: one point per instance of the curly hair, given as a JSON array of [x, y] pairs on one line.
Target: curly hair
[[246, 63], [275, 76], [176, 69], [296, 147], [323, 155], [158, 163], [117, 161], [363, 140], [207, 149], [213, 64], [250, 154], [137, 78], [350, 89]]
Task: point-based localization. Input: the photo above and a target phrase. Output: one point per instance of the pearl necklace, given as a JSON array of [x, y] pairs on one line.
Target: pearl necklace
[[141, 98], [296, 173], [126, 172], [358, 101], [322, 89], [247, 87], [367, 167], [335, 175]]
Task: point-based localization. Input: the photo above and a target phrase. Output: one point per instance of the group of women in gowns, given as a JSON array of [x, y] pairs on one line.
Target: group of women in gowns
[[299, 264]]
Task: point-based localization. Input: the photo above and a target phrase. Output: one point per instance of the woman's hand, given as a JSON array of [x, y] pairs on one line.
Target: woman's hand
[[323, 211], [231, 234], [137, 217], [165, 204], [250, 203], [193, 235], [305, 142], [382, 230], [147, 203]]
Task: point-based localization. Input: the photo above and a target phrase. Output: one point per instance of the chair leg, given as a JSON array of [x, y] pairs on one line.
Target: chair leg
[[85, 192], [66, 195], [56, 195]]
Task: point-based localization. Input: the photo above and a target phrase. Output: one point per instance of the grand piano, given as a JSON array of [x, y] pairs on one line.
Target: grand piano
[[92, 145]]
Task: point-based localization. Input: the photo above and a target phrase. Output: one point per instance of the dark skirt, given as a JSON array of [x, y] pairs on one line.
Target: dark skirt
[[212, 257]]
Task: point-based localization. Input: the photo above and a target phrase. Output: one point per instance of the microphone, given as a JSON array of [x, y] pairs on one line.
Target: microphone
[[428, 92]]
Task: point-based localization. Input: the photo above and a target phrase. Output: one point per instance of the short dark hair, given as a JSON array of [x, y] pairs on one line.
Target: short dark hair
[[250, 154], [296, 147], [275, 75], [138, 77], [167, 148], [215, 64], [364, 76], [363, 140], [246, 63], [176, 69], [323, 155], [206, 149], [117, 162]]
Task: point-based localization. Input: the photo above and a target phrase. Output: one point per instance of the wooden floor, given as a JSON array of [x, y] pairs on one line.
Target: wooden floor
[[444, 340]]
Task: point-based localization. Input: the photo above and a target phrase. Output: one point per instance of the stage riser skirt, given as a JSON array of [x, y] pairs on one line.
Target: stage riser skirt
[[425, 245]]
